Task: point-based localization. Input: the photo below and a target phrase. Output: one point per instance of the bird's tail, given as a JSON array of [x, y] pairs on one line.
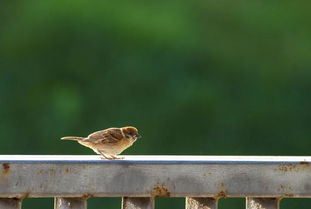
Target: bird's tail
[[76, 138]]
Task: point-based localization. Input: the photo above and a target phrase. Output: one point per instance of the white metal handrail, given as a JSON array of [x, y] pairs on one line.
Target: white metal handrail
[[202, 180]]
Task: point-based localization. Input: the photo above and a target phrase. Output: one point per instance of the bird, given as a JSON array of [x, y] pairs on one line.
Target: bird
[[108, 142]]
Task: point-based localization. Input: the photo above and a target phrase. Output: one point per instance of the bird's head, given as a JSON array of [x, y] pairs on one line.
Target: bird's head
[[131, 132]]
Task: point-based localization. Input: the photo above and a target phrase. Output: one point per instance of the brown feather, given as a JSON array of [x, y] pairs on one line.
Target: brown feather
[[109, 142], [76, 138], [110, 135]]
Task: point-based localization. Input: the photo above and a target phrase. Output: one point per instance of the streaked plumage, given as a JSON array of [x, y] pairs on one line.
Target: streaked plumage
[[109, 142]]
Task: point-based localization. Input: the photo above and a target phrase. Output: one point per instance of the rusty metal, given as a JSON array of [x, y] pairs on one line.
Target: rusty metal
[[10, 203], [69, 203], [262, 203], [160, 191], [137, 203], [155, 176], [201, 203]]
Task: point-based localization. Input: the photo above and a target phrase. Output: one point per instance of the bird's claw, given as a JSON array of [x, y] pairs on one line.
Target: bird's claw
[[111, 157]]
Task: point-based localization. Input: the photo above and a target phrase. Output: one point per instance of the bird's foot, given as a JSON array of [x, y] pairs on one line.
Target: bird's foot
[[115, 157], [111, 157]]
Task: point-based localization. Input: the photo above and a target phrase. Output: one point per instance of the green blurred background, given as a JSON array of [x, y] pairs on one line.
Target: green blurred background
[[196, 78]]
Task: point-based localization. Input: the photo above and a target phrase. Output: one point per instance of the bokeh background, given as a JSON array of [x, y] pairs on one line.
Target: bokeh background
[[196, 78]]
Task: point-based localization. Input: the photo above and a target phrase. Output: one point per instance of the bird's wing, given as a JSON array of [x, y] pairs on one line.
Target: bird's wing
[[110, 135]]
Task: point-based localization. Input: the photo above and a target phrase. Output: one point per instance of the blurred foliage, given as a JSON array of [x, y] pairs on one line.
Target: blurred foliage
[[196, 78]]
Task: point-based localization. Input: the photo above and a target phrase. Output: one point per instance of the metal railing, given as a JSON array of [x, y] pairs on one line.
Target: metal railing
[[202, 180]]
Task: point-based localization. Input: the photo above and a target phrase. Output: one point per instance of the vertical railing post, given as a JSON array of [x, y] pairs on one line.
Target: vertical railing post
[[262, 203], [69, 203], [137, 203], [201, 203], [10, 203]]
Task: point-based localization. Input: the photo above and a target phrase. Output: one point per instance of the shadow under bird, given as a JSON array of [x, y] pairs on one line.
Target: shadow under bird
[[109, 142]]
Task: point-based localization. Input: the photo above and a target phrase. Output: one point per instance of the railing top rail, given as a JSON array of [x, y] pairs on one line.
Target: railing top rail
[[150, 176], [160, 159]]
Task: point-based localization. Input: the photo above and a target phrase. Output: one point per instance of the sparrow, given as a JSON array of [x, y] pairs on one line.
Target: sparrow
[[109, 142]]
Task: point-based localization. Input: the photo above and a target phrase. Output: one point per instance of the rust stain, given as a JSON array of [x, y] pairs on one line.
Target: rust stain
[[56, 171], [285, 189], [6, 168], [124, 200], [23, 196], [160, 191], [222, 191], [87, 196], [303, 165], [287, 167], [51, 172]]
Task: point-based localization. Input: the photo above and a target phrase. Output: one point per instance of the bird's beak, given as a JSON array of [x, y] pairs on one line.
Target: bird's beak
[[138, 135]]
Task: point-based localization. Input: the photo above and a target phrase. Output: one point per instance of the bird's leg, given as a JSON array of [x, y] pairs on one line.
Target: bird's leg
[[116, 157], [105, 157], [109, 157]]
